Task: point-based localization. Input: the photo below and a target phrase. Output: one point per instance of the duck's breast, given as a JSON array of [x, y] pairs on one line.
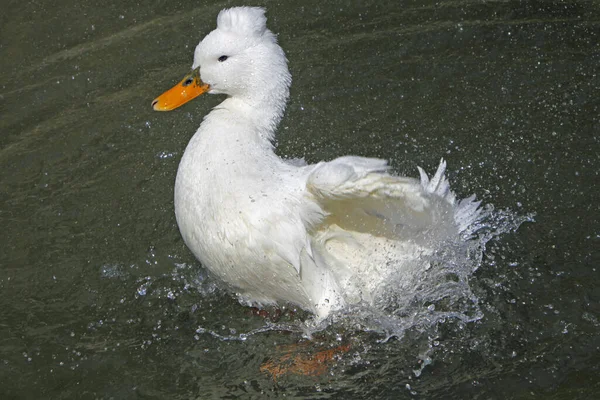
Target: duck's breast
[[244, 222]]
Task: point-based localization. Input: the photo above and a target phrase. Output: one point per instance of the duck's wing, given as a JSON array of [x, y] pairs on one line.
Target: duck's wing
[[360, 195], [373, 220]]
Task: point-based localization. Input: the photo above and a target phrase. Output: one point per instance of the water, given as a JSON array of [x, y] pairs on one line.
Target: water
[[100, 297]]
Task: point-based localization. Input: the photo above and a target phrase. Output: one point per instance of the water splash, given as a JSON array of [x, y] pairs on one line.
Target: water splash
[[429, 296], [420, 300], [417, 301]]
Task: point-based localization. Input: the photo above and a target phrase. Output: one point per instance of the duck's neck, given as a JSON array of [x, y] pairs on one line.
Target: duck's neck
[[249, 122], [259, 116]]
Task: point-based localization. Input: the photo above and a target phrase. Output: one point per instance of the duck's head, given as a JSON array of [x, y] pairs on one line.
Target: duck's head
[[241, 58]]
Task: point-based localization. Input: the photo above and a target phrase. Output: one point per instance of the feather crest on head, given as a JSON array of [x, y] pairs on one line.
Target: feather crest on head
[[243, 20]]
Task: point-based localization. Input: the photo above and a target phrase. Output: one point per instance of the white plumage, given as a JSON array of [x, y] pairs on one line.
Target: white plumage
[[318, 236]]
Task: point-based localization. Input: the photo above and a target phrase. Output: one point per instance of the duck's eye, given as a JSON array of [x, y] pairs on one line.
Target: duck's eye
[[223, 58]]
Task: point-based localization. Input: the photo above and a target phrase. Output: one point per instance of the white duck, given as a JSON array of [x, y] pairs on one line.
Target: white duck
[[317, 236]]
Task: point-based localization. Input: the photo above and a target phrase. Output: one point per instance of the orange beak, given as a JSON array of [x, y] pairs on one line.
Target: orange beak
[[189, 88]]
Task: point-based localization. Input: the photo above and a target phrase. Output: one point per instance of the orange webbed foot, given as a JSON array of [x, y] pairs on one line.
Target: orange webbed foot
[[298, 360]]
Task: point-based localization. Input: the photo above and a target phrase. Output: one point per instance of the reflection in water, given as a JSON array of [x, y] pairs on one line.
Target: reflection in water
[[101, 296]]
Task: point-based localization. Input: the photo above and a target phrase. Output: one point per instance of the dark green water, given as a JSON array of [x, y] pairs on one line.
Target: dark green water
[[99, 296]]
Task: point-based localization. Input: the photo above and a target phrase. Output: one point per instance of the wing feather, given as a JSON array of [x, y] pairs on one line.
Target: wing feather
[[359, 194]]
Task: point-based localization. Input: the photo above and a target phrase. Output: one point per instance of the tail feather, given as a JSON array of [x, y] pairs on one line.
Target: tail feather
[[438, 184], [466, 212]]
